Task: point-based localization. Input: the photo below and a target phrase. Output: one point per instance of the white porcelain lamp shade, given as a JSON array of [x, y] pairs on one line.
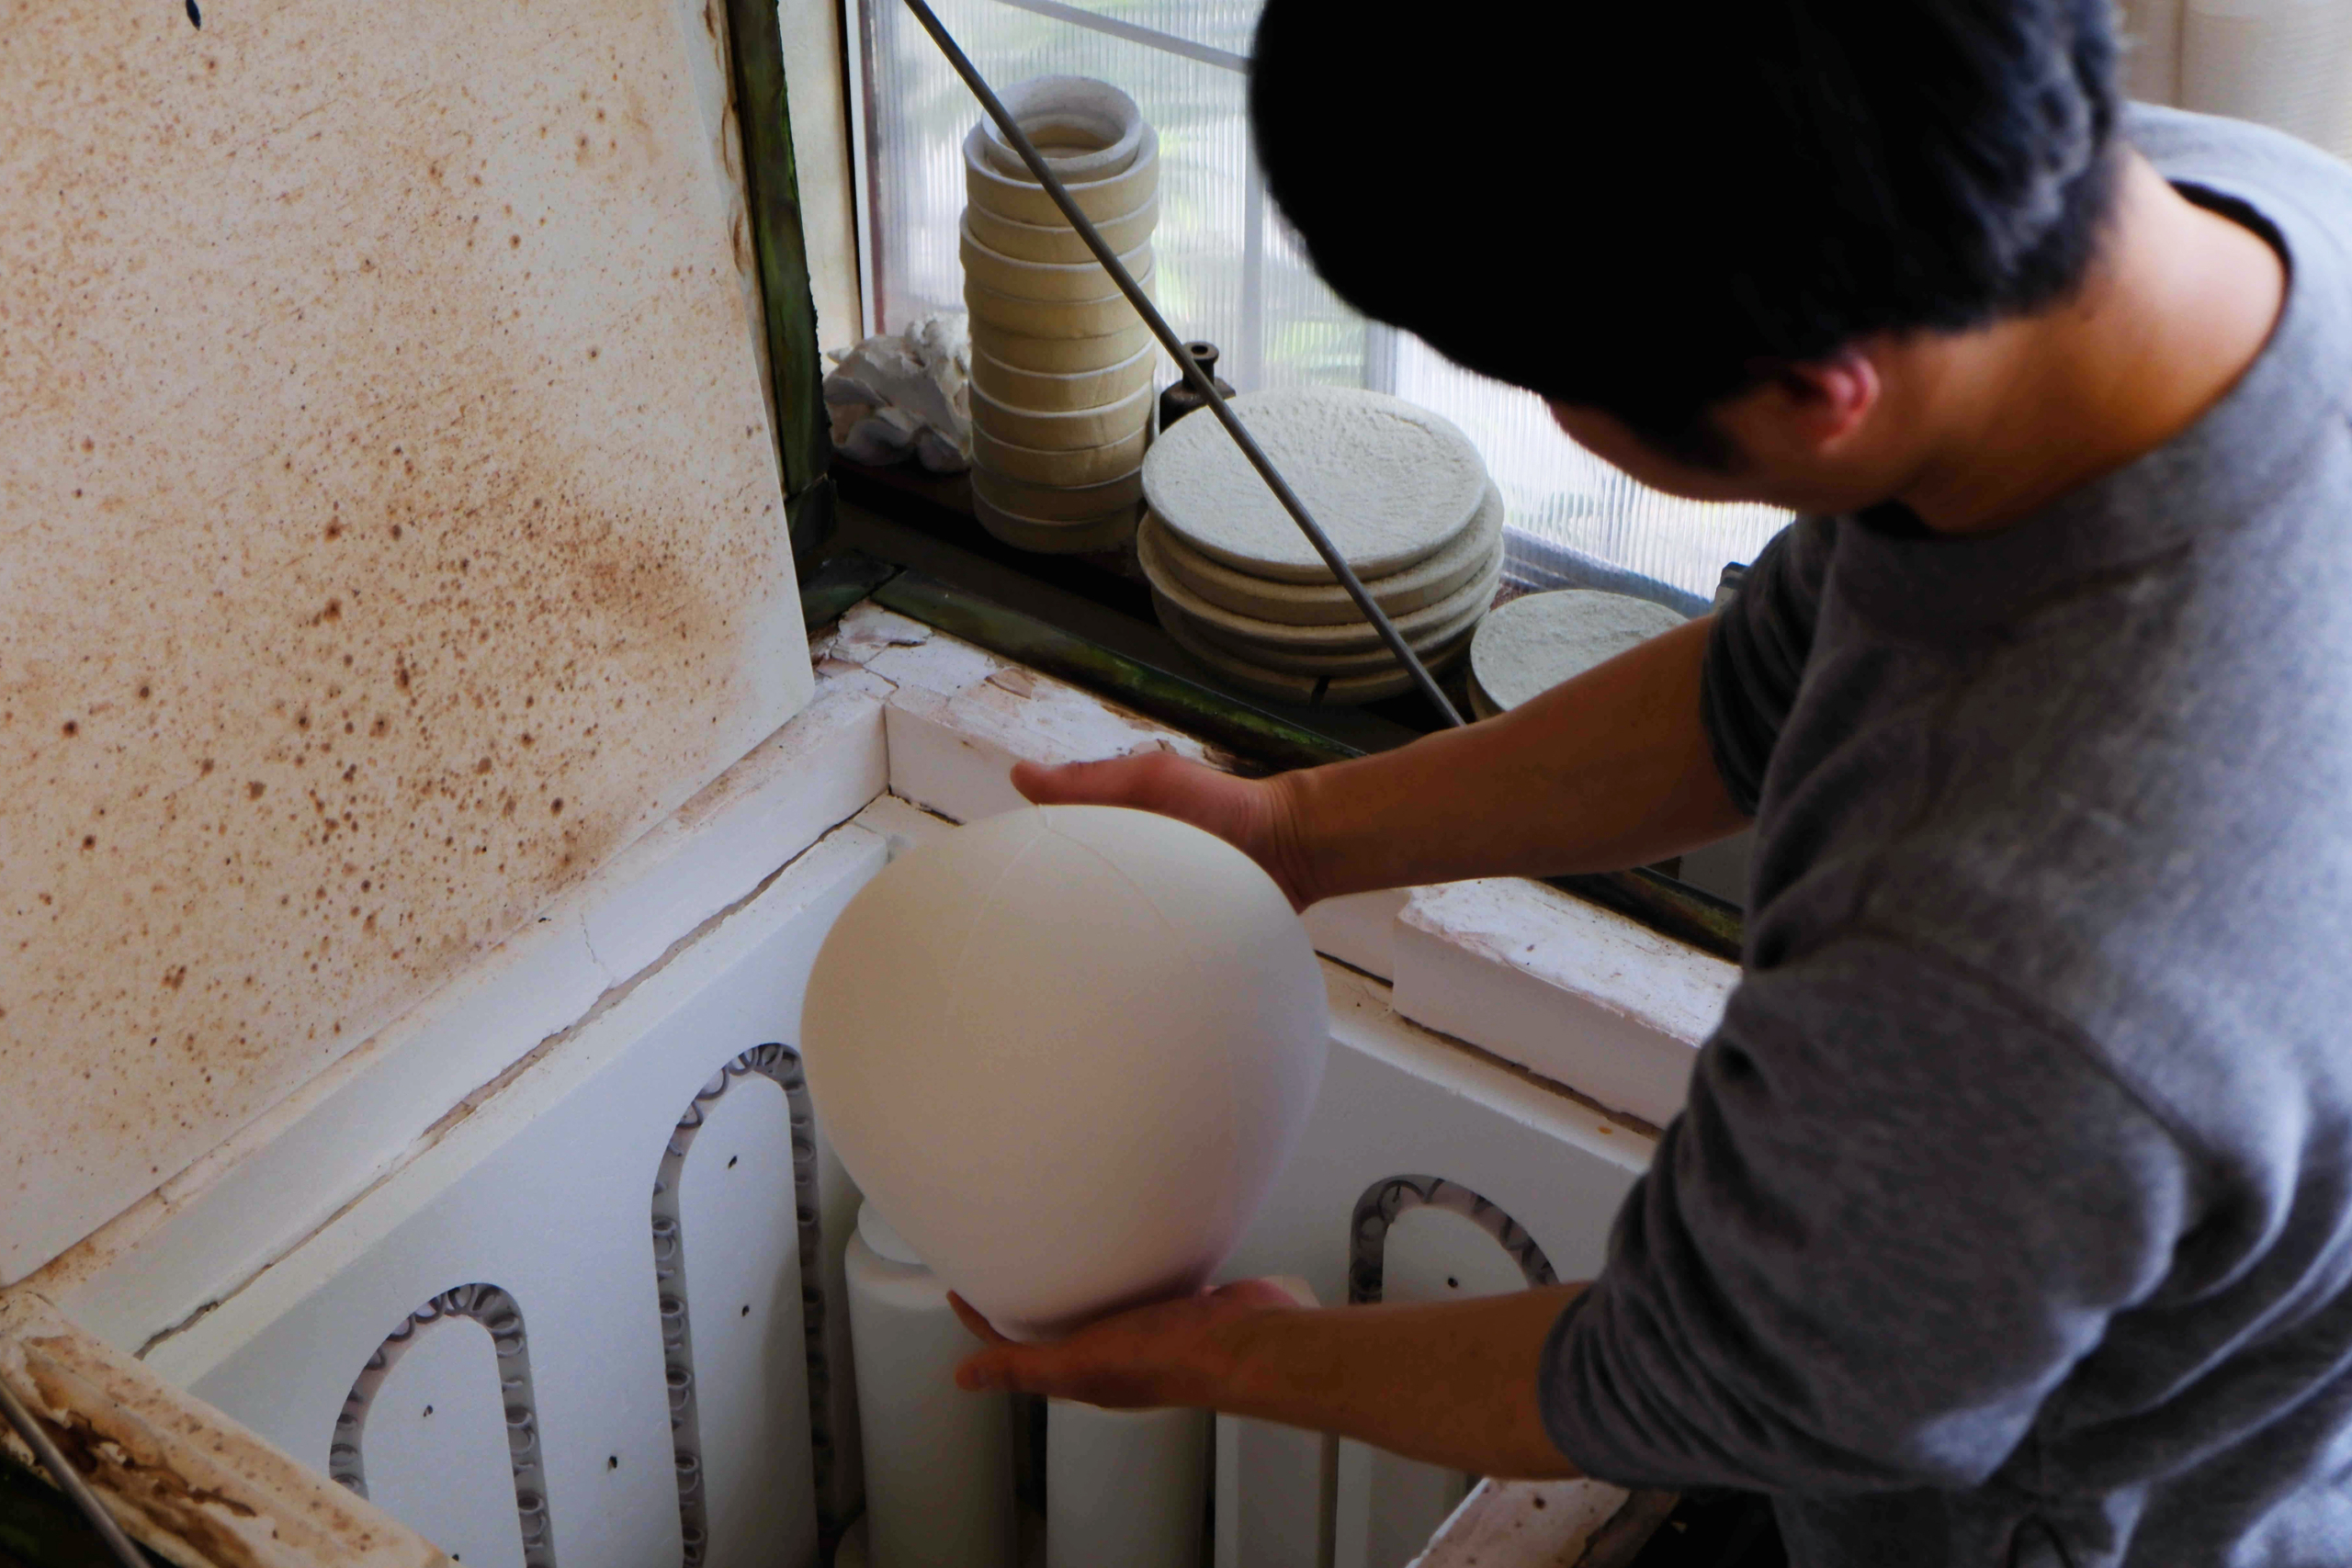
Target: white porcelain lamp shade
[[1066, 1052]]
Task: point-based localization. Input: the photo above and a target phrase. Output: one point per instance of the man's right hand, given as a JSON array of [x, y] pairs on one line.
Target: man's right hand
[[1259, 816]]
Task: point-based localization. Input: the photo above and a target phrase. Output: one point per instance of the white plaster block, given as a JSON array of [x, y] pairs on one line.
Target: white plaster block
[[960, 718], [1573, 992], [1360, 929]]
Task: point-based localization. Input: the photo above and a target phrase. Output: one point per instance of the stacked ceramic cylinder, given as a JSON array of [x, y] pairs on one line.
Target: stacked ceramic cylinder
[[1061, 364], [1403, 495]]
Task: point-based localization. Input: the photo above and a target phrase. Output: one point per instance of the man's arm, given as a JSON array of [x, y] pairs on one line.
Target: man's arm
[[1611, 768], [1452, 1383]]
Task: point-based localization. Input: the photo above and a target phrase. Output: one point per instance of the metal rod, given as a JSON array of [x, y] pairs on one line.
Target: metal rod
[[1193, 375], [67, 1479]]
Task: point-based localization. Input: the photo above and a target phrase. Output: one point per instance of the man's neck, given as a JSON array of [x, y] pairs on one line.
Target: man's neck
[[2181, 302]]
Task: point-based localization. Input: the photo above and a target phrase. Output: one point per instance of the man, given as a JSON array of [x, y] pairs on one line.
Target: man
[[2010, 1217]]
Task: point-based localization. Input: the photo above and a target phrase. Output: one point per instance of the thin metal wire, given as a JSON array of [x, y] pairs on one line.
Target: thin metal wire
[[1193, 375], [69, 1479]]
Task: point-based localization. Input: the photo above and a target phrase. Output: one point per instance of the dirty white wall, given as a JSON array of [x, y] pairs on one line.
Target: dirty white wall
[[389, 529]]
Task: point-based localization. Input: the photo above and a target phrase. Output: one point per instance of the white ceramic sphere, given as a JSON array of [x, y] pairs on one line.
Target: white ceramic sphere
[[1065, 1052]]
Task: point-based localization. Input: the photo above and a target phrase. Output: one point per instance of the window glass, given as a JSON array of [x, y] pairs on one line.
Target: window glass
[[1228, 271]]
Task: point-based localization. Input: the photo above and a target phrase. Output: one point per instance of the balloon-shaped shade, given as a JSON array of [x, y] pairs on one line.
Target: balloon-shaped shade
[[1066, 1052]]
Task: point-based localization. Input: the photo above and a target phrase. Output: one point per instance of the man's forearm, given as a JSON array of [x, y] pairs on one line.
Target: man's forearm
[[1454, 1384], [1610, 769]]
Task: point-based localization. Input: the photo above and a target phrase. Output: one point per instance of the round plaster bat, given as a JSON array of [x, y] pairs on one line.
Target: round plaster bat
[[1060, 356], [1025, 201], [1041, 537], [1085, 130], [1392, 484], [1085, 466], [1457, 612], [1065, 1052], [1057, 504], [1062, 431], [1289, 661], [1538, 640], [1056, 317], [1057, 242], [1044, 280], [1304, 604], [1312, 690], [1042, 391]]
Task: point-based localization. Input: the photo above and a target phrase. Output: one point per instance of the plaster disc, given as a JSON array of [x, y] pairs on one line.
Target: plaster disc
[[1392, 484], [1057, 242], [1025, 201], [1097, 317], [1289, 661], [1042, 280], [1086, 130], [1343, 690], [1057, 504], [1326, 604], [1481, 705], [1065, 431], [1538, 640], [1456, 612], [1044, 538], [1043, 391], [1084, 466], [1059, 356]]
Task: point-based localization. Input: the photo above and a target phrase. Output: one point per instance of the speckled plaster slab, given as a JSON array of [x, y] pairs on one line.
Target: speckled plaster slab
[[1538, 640], [1308, 605], [1391, 483], [390, 530]]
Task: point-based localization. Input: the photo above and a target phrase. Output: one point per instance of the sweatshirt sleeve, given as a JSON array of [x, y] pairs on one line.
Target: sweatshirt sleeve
[[1756, 655], [1842, 1273]]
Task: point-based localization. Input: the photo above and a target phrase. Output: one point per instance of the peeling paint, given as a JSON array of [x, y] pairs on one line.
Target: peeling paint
[[390, 531]]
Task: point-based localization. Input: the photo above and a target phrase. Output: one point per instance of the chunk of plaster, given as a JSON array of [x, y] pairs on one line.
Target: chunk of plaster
[[1313, 604], [1060, 355], [1044, 280], [1043, 536], [1025, 201], [1457, 612], [1057, 504], [1538, 640], [1048, 393], [1391, 483], [1066, 1052], [1085, 466], [1086, 130], [1376, 660], [1057, 242], [1257, 679], [1056, 317], [1066, 431]]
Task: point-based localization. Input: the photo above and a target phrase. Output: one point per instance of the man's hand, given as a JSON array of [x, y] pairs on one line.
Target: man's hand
[[1170, 1353], [1258, 817], [1454, 1383], [1610, 769]]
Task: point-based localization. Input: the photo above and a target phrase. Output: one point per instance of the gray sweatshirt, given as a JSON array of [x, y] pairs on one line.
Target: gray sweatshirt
[[2010, 1217]]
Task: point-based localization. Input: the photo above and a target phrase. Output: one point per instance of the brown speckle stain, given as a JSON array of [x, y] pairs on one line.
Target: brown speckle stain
[[420, 511]]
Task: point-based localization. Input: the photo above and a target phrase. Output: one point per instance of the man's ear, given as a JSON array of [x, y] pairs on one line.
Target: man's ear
[[1823, 402]]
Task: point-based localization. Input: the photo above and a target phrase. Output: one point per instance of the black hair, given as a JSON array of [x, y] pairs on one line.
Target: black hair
[[1646, 206]]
